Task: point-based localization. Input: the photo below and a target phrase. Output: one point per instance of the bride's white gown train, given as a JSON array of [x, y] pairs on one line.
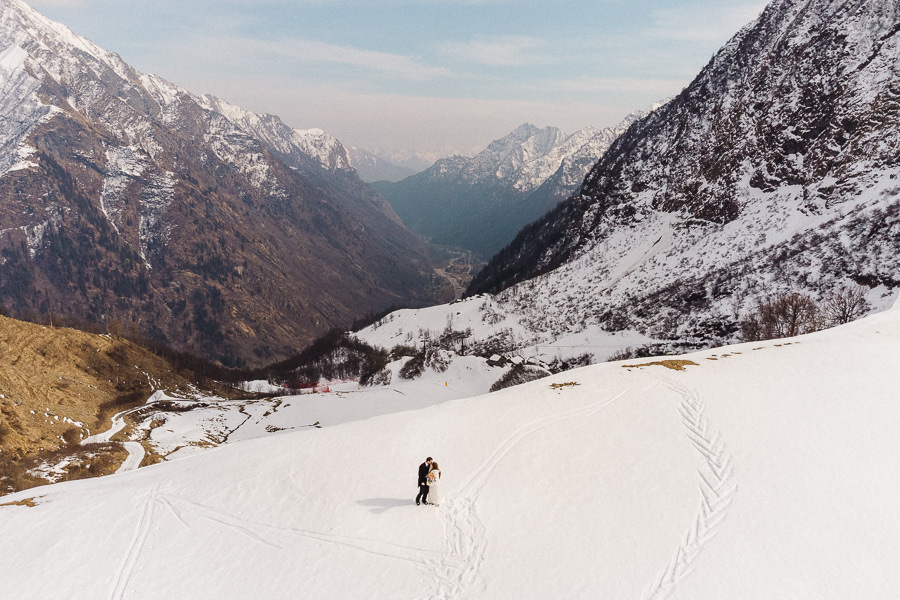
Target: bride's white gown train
[[434, 494]]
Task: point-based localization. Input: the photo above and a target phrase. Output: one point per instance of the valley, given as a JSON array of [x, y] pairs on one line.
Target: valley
[[654, 360], [459, 270], [479, 203]]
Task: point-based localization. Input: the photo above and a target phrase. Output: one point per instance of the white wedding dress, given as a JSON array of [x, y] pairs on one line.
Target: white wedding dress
[[434, 480]]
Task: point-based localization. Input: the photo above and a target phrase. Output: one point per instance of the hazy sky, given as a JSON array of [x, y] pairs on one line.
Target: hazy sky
[[426, 76]]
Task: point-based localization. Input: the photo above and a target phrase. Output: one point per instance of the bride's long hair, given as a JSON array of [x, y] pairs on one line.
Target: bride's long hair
[[434, 466]]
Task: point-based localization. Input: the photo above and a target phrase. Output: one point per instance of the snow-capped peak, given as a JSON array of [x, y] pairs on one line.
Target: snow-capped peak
[[315, 143], [19, 21], [70, 60], [528, 156]]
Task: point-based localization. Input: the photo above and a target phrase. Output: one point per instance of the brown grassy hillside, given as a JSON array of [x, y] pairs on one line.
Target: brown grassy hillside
[[59, 385]]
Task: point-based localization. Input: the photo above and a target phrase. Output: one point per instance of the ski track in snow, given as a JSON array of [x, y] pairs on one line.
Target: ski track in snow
[[137, 544], [717, 490], [264, 533], [256, 530], [456, 571], [456, 574], [183, 510]]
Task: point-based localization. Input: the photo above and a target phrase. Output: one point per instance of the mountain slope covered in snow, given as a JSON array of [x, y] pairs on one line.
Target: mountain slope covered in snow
[[753, 471], [203, 225], [775, 171]]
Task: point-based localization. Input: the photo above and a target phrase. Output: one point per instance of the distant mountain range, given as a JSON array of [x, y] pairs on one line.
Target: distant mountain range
[[371, 167], [776, 170], [210, 228], [480, 203]]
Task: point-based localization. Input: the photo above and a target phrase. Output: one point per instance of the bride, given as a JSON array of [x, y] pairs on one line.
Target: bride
[[434, 478]]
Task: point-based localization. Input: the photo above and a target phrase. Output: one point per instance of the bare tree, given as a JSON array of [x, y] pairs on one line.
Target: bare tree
[[846, 304], [751, 330], [114, 328], [796, 314], [785, 316]]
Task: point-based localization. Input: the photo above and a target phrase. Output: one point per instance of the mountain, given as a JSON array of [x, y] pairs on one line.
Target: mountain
[[775, 171], [480, 203], [764, 470], [208, 227], [372, 167]]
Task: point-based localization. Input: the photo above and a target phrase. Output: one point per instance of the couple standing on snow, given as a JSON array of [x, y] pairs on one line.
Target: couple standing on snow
[[429, 477]]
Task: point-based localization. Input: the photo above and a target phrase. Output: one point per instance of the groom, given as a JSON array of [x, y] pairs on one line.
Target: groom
[[423, 481]]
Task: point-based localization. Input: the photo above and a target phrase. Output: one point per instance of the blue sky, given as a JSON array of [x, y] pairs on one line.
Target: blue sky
[[427, 77]]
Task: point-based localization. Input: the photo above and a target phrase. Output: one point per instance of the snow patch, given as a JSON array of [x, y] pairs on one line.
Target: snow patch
[[124, 165]]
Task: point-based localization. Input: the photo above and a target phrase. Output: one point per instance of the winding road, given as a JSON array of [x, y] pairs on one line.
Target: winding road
[[135, 450]]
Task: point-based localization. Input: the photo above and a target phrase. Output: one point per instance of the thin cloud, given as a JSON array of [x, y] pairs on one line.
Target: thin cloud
[[500, 51], [615, 84], [394, 123], [312, 51], [63, 3], [254, 53]]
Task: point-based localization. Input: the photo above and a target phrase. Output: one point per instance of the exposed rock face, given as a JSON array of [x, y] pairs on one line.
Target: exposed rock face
[[480, 203], [777, 169], [210, 228]]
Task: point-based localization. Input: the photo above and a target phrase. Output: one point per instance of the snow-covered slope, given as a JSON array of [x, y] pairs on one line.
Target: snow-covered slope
[[775, 171], [765, 470], [485, 325]]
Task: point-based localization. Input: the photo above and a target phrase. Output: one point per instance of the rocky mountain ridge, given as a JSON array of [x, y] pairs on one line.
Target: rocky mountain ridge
[[775, 170], [208, 227], [480, 202]]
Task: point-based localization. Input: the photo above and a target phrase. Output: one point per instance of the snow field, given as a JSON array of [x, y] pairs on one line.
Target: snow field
[[766, 470]]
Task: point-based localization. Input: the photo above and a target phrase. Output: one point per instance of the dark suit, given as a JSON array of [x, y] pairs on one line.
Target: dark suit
[[423, 483]]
